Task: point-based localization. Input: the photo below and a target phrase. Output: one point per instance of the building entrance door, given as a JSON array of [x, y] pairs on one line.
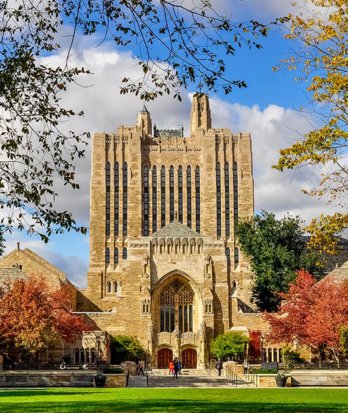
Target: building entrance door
[[189, 358], [164, 356]]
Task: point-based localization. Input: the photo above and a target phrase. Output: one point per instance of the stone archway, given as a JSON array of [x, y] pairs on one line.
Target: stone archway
[[176, 307]]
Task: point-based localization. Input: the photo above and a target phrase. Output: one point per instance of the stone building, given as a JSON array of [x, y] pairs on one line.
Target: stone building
[[164, 262]]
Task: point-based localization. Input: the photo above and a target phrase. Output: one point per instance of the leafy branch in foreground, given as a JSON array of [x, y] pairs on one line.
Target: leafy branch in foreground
[[177, 44], [321, 36]]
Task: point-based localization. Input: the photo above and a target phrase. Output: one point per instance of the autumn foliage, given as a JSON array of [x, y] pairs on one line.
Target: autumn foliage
[[32, 316], [312, 314]]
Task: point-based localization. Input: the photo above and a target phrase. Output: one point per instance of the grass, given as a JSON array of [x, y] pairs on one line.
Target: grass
[[180, 400]]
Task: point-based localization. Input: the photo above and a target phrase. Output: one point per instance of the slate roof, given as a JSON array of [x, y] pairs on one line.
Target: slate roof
[[176, 229]]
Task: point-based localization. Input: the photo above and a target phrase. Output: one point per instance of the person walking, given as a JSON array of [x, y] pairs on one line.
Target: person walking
[[176, 367], [179, 366], [171, 367], [141, 368], [246, 366], [218, 366]]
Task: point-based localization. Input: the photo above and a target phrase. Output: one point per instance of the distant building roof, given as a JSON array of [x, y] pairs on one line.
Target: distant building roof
[[339, 274]]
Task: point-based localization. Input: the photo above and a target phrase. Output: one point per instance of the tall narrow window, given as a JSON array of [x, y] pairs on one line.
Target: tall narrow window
[[235, 193], [218, 200], [189, 197], [180, 216], [163, 196], [146, 201], [171, 193], [227, 201], [125, 198], [228, 257], [107, 256], [117, 197], [154, 199], [236, 257], [198, 200], [116, 256], [107, 199], [124, 253]]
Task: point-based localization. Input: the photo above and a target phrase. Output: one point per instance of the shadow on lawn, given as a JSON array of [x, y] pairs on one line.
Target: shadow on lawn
[[169, 406]]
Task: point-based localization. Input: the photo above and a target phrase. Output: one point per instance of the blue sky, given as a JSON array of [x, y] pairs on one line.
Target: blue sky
[[266, 109]]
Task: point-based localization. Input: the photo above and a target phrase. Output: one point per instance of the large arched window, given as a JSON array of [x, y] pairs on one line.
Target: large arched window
[[171, 193], [180, 209], [108, 287], [117, 197], [227, 201], [163, 196], [218, 200], [235, 193], [124, 253], [198, 199], [176, 299], [107, 199], [189, 197], [146, 201], [115, 287], [107, 256], [154, 199], [125, 198], [116, 256]]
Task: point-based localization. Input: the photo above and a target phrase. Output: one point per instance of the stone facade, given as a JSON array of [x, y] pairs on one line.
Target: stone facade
[[164, 262]]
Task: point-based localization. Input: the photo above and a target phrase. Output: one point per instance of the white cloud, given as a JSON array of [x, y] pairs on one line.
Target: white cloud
[[271, 129]]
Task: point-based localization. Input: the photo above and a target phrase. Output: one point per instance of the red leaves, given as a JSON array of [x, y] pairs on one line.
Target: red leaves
[[31, 316], [311, 313]]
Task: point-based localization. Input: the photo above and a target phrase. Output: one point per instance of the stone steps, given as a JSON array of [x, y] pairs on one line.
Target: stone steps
[[185, 381], [187, 372]]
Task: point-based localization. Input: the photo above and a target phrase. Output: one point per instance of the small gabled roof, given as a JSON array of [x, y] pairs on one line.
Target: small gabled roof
[[176, 229]]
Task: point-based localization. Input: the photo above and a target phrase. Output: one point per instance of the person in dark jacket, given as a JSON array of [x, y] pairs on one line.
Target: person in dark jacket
[[218, 366]]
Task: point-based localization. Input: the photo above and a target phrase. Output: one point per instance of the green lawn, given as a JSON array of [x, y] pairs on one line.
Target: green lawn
[[174, 400]]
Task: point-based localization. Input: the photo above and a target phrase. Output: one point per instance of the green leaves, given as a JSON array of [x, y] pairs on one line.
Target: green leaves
[[276, 249], [232, 344]]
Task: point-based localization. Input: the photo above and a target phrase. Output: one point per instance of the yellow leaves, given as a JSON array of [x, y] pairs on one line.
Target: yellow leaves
[[324, 231]]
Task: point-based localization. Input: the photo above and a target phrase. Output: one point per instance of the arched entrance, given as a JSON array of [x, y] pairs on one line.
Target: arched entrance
[[164, 356], [189, 358], [176, 307]]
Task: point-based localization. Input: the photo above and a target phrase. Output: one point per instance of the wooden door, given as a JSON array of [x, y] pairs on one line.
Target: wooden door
[[189, 358], [164, 356]]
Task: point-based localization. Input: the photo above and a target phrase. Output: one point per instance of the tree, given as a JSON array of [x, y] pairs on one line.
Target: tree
[[123, 347], [232, 344], [32, 317], [2, 241], [311, 314], [321, 36], [276, 249], [177, 44], [344, 338]]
